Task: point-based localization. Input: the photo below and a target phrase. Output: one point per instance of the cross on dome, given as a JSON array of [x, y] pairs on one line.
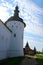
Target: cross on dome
[[16, 11]]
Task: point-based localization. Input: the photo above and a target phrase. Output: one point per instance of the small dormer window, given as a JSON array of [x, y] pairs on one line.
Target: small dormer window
[[16, 26], [14, 35], [12, 25]]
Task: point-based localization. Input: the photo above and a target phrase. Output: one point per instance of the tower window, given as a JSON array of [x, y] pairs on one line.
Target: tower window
[[14, 35]]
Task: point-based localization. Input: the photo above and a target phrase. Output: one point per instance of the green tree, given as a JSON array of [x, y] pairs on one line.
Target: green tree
[[34, 50], [42, 50]]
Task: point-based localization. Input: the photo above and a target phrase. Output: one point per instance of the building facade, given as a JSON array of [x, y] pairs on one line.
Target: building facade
[[14, 34], [5, 35], [28, 50]]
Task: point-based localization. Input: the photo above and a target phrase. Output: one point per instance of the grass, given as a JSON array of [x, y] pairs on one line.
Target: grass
[[12, 61], [17, 60], [39, 56], [39, 59]]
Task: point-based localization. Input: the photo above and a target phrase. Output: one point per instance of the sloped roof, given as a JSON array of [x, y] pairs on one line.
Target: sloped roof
[[5, 25], [27, 45]]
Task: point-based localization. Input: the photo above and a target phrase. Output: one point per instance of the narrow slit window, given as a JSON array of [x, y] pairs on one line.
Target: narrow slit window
[[14, 35]]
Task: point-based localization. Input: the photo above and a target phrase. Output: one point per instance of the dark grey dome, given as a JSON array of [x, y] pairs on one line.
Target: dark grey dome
[[16, 17]]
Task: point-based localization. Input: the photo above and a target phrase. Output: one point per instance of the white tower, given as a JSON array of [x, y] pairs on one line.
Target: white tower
[[16, 24]]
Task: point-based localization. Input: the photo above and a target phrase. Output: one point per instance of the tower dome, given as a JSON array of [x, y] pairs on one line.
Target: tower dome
[[16, 17]]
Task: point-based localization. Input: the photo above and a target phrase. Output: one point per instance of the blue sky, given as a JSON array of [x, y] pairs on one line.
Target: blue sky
[[38, 2], [31, 11]]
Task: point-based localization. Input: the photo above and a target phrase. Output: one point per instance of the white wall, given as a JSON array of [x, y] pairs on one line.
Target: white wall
[[16, 46], [5, 36]]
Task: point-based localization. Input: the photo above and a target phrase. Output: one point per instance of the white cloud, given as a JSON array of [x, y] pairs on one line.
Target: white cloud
[[7, 5], [2, 0], [29, 12], [32, 42], [3, 13], [34, 29]]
